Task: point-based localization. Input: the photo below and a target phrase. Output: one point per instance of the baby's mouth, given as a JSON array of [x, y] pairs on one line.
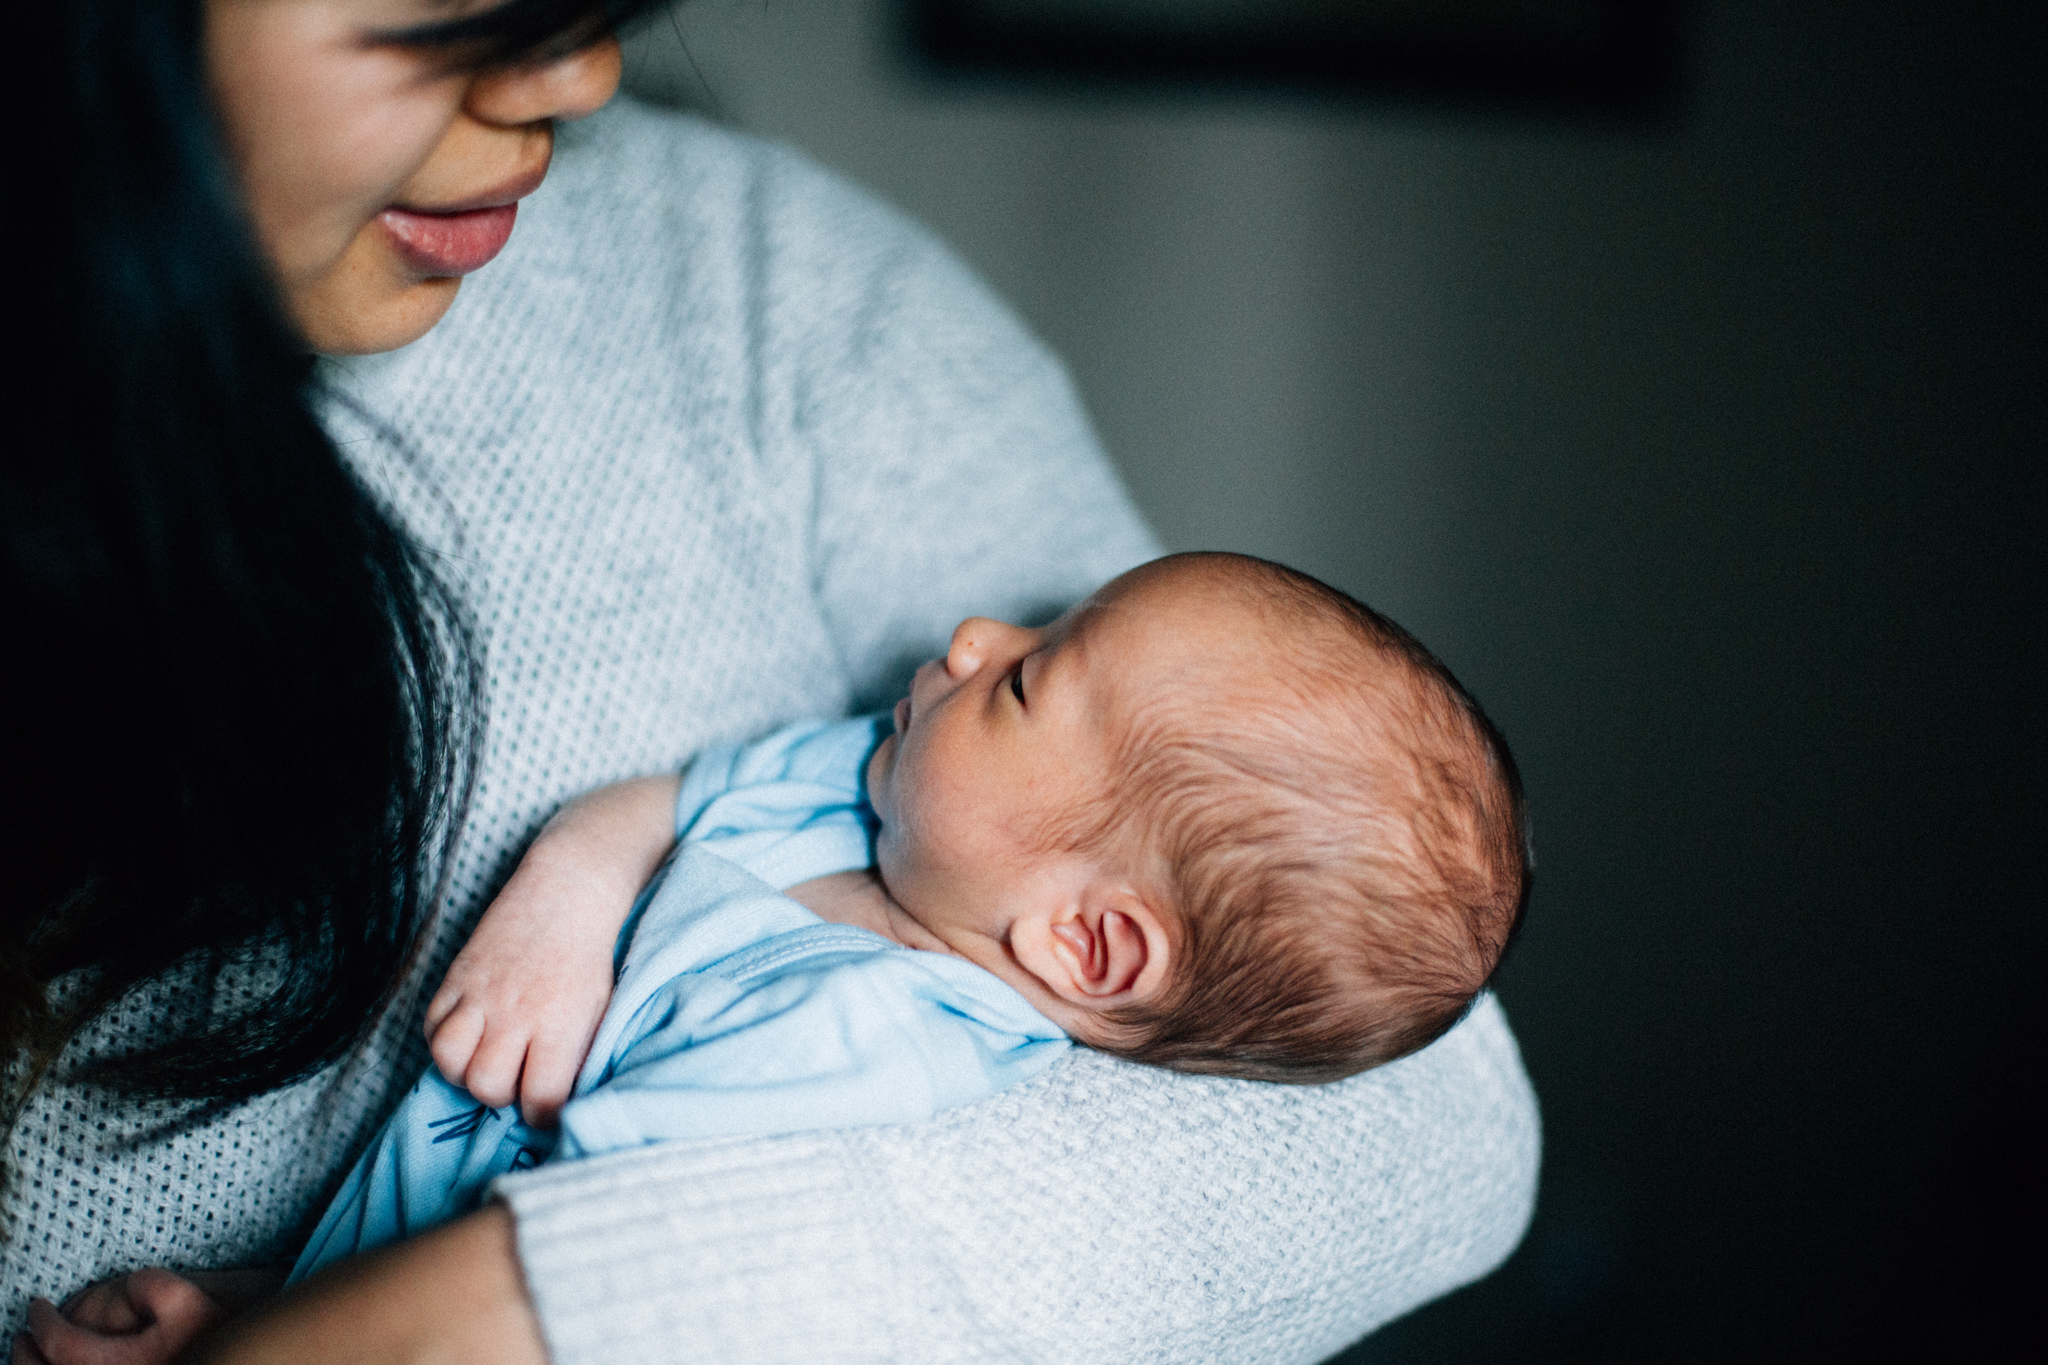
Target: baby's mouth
[[902, 715]]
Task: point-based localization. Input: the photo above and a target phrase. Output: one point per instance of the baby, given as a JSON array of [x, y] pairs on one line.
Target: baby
[[1218, 817]]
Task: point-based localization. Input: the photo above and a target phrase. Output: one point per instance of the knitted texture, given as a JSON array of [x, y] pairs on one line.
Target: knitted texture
[[1103, 1212], [717, 444]]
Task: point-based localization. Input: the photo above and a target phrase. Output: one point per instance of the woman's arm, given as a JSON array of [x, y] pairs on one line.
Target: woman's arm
[[452, 1296], [1104, 1213]]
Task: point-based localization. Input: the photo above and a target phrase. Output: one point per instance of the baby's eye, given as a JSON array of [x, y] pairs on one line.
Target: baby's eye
[[1017, 684]]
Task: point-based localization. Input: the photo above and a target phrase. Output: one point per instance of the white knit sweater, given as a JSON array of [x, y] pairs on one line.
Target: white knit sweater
[[717, 444]]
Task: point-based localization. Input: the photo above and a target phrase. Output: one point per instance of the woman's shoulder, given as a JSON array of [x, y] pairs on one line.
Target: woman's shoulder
[[708, 246], [676, 172]]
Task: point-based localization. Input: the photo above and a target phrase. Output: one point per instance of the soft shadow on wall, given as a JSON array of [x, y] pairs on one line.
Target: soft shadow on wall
[[1704, 447]]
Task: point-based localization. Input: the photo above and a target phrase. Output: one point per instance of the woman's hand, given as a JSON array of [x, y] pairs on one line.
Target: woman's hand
[[145, 1318], [522, 1001], [453, 1296]]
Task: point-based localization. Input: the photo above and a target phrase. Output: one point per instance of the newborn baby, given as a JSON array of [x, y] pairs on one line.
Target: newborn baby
[[1218, 817]]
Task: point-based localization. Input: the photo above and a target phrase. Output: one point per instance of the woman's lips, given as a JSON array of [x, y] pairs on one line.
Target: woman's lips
[[442, 244]]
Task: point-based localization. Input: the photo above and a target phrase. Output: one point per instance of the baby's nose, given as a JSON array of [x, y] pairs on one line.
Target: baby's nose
[[975, 641]]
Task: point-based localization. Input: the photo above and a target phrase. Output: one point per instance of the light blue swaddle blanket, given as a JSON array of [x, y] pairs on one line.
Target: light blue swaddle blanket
[[737, 1012]]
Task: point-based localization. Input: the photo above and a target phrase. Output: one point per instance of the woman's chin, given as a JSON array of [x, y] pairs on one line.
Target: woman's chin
[[358, 316]]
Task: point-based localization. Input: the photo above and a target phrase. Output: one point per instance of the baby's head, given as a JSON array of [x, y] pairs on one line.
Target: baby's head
[[1219, 817]]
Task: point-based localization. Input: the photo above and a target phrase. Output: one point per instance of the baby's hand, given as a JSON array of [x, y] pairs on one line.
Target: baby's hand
[[145, 1318], [522, 1002]]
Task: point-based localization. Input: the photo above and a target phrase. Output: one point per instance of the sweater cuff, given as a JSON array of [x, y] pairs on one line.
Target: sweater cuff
[[749, 1250]]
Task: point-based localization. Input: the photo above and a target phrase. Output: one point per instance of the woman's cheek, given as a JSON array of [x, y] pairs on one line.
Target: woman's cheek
[[326, 206], [324, 131]]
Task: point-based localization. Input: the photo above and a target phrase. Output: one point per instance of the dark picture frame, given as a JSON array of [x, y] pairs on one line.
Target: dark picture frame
[[1594, 55]]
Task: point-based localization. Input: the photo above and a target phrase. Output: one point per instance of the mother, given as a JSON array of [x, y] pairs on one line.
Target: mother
[[303, 655]]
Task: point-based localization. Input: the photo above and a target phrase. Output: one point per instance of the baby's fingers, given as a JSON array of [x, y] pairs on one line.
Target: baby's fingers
[[26, 1352], [61, 1343], [104, 1307], [171, 1311], [441, 1006], [178, 1309], [493, 1074], [551, 1066], [452, 1044], [53, 1339]]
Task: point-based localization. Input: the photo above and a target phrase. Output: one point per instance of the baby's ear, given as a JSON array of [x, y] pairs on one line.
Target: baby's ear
[[1103, 950]]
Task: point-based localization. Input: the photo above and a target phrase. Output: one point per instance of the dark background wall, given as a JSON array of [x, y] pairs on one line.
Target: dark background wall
[[1706, 449]]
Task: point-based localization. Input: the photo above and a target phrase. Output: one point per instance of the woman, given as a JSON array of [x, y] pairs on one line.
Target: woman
[[716, 444]]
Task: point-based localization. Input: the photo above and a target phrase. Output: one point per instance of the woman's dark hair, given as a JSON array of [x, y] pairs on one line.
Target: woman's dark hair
[[241, 707]]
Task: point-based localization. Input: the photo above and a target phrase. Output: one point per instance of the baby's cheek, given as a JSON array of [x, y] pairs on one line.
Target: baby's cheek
[[880, 765]]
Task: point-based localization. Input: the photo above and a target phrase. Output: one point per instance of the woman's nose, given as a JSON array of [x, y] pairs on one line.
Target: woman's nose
[[566, 87], [979, 639]]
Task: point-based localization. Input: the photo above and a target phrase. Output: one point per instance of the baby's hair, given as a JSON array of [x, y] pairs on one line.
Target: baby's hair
[[1342, 840]]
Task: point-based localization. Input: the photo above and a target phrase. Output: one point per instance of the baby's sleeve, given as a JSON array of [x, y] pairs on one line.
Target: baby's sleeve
[[789, 807], [837, 1030]]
